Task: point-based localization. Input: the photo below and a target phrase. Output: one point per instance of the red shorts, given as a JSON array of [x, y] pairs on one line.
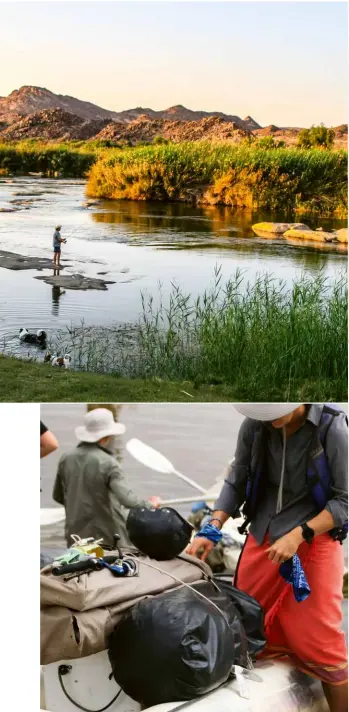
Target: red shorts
[[308, 632]]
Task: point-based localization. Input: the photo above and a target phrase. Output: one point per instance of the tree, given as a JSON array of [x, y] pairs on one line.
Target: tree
[[316, 137]]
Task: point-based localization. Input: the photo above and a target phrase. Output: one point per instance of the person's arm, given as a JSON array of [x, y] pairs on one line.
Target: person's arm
[[58, 489], [233, 491], [335, 513], [121, 493], [48, 443]]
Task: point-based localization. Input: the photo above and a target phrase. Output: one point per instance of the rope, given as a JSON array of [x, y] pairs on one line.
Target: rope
[[85, 709]]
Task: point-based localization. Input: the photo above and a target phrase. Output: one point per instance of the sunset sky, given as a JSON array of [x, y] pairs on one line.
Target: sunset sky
[[282, 63]]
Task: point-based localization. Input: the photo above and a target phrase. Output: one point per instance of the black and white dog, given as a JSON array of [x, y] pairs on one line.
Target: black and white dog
[[40, 338]]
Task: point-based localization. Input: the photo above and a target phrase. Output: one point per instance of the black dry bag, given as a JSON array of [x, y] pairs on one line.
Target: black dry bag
[[251, 613], [177, 646]]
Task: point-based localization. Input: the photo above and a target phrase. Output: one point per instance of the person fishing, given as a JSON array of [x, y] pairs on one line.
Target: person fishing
[[57, 241], [90, 485], [290, 473]]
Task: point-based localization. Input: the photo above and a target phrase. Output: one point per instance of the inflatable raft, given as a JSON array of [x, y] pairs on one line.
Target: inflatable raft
[[273, 684]]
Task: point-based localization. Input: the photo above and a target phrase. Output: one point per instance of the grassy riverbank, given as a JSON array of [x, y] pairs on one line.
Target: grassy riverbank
[[217, 173], [27, 382], [263, 341], [288, 180]]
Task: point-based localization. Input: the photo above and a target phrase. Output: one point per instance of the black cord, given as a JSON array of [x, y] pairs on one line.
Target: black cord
[[63, 670]]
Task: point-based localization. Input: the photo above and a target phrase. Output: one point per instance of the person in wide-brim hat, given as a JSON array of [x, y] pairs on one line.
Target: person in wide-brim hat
[[91, 486], [289, 474]]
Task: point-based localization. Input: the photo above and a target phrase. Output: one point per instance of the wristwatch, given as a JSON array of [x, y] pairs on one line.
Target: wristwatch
[[307, 533]]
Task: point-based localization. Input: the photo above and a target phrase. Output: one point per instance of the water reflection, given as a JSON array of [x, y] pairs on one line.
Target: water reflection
[[180, 227], [183, 227], [56, 293]]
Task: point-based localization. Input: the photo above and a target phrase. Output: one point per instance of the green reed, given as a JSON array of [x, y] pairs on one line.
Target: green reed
[[219, 173], [52, 160], [266, 340]]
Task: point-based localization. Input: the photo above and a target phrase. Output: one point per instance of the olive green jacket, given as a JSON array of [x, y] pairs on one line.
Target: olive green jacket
[[93, 490]]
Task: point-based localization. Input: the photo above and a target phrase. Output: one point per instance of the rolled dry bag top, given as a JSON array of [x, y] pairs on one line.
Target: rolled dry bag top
[[161, 534]]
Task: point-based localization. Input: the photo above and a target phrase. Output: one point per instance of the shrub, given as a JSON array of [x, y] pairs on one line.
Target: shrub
[[316, 137]]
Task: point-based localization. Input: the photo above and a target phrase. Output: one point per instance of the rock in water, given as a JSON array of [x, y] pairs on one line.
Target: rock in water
[[76, 281], [342, 235], [272, 228], [315, 235]]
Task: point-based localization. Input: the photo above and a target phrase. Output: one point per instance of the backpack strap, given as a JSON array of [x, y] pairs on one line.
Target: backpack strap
[[256, 476], [318, 473]]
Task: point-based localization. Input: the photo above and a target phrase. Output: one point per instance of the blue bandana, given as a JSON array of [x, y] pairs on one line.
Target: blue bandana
[[208, 531], [292, 572]]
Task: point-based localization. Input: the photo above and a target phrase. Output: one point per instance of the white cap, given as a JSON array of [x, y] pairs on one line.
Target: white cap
[[266, 411], [98, 423]]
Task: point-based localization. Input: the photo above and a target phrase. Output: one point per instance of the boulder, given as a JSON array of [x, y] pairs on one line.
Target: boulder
[[342, 235], [270, 227], [277, 228], [316, 235]]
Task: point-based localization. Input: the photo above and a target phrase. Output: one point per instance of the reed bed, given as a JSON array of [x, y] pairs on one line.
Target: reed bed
[[55, 160], [265, 340], [291, 180]]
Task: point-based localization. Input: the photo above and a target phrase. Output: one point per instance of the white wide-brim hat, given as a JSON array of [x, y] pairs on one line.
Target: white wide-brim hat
[[98, 423], [265, 411]]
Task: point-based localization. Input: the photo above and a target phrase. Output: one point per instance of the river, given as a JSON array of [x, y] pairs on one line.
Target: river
[[137, 245]]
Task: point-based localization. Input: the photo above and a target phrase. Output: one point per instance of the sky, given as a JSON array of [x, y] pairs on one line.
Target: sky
[[283, 63]]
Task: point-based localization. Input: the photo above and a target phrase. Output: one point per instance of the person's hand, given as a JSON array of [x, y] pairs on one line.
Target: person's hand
[[284, 548], [155, 501], [200, 547]]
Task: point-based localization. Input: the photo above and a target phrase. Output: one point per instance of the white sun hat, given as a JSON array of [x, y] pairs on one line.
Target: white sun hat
[[98, 423], [265, 411]]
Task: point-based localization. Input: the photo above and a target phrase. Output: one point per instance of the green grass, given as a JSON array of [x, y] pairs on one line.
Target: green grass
[[27, 382], [290, 180]]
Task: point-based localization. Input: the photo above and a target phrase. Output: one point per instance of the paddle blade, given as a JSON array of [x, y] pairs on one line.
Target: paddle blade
[[149, 457]]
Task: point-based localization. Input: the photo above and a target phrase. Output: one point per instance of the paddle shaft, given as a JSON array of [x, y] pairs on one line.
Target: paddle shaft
[[189, 481]]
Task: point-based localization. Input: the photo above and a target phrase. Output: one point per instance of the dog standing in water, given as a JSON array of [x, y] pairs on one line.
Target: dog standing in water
[[57, 241]]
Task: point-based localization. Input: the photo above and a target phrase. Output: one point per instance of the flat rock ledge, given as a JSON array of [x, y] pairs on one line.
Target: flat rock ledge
[[76, 281], [11, 260]]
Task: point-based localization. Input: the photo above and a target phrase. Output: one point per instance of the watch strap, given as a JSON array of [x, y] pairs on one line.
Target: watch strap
[[308, 533]]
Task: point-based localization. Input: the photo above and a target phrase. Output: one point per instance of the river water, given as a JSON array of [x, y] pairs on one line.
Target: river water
[[138, 245]]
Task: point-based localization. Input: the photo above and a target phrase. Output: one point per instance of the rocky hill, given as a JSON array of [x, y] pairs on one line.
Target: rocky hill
[[58, 125], [35, 113], [143, 129], [29, 100], [53, 125]]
